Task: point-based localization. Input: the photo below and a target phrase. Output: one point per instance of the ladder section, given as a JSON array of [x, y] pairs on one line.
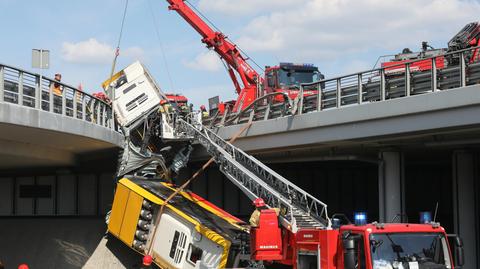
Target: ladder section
[[298, 208]]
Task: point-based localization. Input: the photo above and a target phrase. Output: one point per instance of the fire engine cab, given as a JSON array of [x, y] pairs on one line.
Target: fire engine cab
[[362, 246]]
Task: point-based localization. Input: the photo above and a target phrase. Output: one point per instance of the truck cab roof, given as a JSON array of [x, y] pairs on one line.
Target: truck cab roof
[[395, 228]]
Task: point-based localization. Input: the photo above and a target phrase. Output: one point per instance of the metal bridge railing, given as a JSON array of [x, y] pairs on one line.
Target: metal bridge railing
[[28, 89], [452, 70]]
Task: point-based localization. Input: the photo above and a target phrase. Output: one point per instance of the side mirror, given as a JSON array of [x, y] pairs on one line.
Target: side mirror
[[349, 255], [459, 254]]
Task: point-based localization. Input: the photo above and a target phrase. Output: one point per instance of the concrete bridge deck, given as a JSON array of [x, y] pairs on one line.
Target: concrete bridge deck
[[39, 128], [437, 118]]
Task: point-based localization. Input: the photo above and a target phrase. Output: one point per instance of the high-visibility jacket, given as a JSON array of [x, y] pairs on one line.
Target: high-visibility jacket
[[57, 90], [255, 217]]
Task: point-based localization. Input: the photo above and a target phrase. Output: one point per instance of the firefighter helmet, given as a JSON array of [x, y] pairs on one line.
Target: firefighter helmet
[[258, 202], [147, 260]]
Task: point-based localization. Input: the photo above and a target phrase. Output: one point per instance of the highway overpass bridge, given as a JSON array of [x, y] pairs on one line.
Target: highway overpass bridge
[[390, 144]]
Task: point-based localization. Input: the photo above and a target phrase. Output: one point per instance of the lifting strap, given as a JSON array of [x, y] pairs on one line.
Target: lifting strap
[[184, 185]]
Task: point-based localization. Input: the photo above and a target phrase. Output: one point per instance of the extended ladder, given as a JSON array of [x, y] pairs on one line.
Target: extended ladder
[[298, 209]]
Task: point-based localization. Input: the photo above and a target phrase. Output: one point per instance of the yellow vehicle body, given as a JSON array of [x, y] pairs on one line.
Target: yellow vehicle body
[[181, 234]]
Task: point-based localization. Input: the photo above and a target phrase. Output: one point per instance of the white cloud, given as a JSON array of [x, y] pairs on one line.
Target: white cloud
[[321, 30], [356, 66], [246, 7], [206, 61], [92, 51], [199, 95]]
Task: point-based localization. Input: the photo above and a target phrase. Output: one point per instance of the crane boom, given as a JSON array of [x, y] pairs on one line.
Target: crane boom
[[226, 50]]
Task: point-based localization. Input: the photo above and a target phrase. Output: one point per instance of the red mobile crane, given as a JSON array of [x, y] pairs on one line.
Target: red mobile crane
[[284, 78]]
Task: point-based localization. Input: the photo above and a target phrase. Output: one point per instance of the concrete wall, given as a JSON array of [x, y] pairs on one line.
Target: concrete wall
[[345, 186], [87, 194]]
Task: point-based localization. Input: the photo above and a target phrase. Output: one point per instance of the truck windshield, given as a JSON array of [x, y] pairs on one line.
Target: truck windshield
[[409, 250], [292, 77]]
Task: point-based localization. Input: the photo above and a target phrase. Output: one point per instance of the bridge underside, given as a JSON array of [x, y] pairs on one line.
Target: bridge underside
[[22, 146], [33, 138]]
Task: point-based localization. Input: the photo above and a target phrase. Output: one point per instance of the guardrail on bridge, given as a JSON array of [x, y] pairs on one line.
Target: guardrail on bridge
[[413, 77], [32, 90]]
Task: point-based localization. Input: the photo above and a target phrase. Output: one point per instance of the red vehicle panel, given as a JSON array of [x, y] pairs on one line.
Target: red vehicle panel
[[396, 67]]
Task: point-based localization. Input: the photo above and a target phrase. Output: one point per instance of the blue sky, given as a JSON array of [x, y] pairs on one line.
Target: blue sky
[[339, 36]]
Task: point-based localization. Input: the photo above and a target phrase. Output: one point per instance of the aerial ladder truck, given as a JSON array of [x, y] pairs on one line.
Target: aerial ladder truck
[[293, 230], [281, 81]]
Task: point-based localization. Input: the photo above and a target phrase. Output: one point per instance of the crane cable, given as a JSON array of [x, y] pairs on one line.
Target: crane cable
[[166, 201], [117, 50], [165, 62]]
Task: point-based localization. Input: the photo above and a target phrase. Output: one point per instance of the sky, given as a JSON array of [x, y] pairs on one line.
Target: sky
[[339, 36]]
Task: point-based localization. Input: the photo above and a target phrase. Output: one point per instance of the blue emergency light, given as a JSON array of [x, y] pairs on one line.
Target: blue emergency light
[[360, 218], [425, 217]]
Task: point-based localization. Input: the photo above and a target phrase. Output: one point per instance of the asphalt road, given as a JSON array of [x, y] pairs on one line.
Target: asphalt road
[[65, 243]]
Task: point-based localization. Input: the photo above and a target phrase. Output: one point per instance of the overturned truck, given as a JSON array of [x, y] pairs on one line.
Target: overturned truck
[[186, 231]]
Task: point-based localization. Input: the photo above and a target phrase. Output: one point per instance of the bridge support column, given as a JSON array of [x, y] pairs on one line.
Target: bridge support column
[[391, 187], [466, 206]]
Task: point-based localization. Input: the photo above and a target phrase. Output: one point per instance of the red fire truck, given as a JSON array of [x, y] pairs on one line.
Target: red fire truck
[[360, 245]]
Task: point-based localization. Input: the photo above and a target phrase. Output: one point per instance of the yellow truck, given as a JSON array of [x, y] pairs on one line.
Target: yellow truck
[[190, 232]]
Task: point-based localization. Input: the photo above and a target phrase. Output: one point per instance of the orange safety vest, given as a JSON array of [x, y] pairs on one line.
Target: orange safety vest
[[57, 90]]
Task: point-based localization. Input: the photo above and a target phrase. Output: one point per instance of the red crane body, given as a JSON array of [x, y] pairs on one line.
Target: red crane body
[[226, 50], [284, 78]]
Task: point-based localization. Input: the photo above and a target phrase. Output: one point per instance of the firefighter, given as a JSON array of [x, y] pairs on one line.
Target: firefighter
[[165, 107], [259, 206], [204, 111], [184, 109]]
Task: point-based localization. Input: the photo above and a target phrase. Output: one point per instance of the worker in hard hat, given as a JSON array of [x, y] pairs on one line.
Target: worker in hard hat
[[57, 90], [259, 206], [166, 109], [204, 112], [165, 106]]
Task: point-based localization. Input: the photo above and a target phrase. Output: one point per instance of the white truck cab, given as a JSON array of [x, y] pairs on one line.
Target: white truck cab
[[135, 93]]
